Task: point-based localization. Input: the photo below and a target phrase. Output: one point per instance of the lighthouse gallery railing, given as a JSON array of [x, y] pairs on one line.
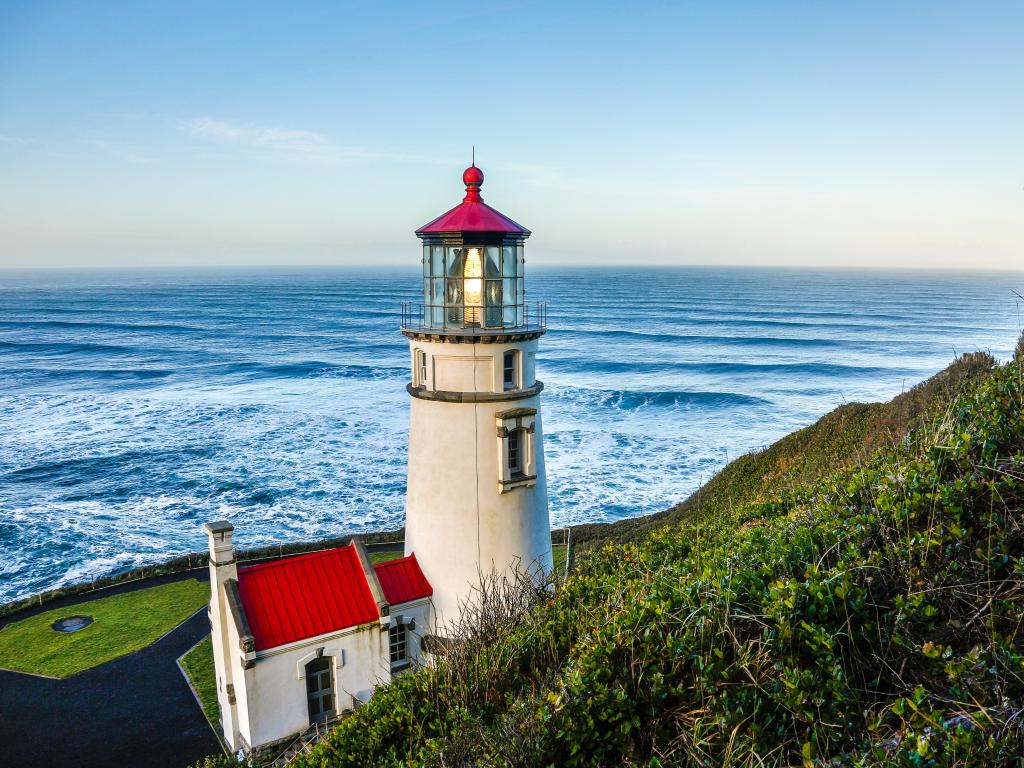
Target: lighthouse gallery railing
[[535, 318]]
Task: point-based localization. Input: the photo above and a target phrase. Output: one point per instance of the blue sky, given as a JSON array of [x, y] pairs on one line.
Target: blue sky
[[825, 134]]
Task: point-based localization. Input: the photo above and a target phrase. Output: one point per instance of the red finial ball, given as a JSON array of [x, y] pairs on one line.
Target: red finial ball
[[473, 176]]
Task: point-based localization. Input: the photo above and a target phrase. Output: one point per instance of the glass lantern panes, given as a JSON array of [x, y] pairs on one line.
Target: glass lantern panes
[[492, 262], [472, 287]]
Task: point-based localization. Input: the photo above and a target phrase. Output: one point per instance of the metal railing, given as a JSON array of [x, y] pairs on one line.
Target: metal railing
[[535, 318]]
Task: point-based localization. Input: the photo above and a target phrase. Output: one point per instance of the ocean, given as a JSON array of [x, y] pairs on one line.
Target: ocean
[[137, 405]]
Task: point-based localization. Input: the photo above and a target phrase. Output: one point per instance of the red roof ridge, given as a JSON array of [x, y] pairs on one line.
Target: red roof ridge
[[287, 559]]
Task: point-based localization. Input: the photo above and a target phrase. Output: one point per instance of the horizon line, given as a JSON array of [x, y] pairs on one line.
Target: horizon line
[[549, 265]]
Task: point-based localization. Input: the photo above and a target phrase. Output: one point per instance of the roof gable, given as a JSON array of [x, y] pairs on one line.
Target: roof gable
[[402, 580], [304, 596]]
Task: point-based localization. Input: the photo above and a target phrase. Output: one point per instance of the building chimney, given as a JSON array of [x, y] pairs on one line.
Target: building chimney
[[223, 570], [222, 550]]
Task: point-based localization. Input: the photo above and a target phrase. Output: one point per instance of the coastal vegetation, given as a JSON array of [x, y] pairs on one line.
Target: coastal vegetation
[[122, 623], [844, 438], [853, 595]]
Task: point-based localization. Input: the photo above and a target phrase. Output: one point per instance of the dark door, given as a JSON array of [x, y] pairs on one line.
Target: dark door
[[320, 689]]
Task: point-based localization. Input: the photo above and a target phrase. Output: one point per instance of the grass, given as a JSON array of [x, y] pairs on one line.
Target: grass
[[198, 664], [122, 624], [383, 557]]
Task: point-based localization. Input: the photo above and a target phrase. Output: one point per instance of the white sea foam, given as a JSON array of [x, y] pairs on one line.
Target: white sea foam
[[134, 407]]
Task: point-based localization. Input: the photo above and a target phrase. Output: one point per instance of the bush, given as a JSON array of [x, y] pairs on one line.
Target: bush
[[872, 618]]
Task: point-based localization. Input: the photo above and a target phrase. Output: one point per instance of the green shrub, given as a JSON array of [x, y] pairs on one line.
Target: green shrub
[[872, 618]]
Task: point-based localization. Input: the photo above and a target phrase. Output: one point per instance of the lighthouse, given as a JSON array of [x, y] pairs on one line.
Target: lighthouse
[[476, 500]]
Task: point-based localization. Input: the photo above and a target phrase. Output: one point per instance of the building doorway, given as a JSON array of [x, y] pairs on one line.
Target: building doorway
[[320, 689]]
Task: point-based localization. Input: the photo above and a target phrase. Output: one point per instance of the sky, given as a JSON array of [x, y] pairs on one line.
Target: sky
[[837, 134]]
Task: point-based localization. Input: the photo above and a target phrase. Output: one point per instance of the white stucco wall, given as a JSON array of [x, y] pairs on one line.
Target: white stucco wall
[[236, 676], [272, 702], [460, 520], [276, 684]]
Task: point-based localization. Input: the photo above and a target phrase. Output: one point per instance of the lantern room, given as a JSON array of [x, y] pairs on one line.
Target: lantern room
[[472, 269]]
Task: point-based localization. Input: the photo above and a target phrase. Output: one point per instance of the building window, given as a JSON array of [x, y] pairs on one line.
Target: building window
[[397, 643], [517, 465], [511, 378], [421, 367], [515, 453], [320, 689]]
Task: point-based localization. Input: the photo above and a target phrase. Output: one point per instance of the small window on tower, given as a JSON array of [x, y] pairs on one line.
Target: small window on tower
[[421, 367], [511, 379], [516, 449], [515, 453]]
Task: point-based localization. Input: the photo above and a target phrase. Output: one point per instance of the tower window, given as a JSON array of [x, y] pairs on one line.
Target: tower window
[[511, 377], [397, 644], [421, 367], [515, 453], [517, 465]]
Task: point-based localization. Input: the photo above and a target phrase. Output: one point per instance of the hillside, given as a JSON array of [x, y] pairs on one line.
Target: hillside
[[873, 617], [842, 439]]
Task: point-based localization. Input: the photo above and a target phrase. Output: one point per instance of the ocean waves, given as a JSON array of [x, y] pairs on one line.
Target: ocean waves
[[135, 406], [631, 400]]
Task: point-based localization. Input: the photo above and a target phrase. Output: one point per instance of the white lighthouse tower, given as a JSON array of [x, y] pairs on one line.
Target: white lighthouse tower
[[476, 499]]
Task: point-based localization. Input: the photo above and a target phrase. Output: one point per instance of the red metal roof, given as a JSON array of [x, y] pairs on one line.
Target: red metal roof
[[472, 214], [402, 580], [305, 596]]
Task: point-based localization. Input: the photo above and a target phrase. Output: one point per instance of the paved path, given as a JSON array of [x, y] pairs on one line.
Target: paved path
[[133, 711]]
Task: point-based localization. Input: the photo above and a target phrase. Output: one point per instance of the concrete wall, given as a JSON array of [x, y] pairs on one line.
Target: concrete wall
[[276, 685], [471, 367], [237, 677], [460, 520], [275, 704]]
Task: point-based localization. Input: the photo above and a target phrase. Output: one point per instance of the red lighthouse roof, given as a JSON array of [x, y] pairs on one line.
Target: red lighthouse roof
[[473, 214]]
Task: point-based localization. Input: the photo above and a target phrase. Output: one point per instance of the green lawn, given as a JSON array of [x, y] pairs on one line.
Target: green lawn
[[198, 664], [558, 558], [380, 557], [122, 624]]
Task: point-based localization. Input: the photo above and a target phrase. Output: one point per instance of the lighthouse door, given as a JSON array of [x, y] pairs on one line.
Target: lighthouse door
[[320, 689]]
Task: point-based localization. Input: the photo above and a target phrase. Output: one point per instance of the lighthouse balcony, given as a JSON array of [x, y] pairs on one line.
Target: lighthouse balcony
[[476, 322]]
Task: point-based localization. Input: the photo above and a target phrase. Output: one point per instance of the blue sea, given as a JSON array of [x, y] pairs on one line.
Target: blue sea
[[137, 405]]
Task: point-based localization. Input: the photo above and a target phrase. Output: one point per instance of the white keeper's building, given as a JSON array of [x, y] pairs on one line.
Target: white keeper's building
[[300, 640]]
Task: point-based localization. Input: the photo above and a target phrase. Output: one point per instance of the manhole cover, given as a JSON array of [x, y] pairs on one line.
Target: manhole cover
[[71, 623]]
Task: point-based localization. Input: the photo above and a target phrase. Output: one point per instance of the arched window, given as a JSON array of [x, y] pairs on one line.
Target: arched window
[[511, 370], [320, 689]]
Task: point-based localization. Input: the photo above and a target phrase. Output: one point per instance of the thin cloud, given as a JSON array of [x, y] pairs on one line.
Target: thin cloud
[[295, 144], [290, 142]]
